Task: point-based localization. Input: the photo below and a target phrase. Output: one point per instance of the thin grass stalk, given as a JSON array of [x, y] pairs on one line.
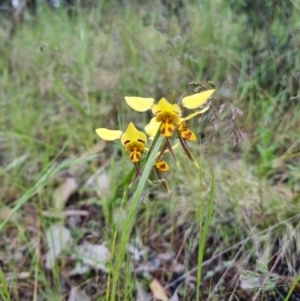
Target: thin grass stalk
[[292, 288], [204, 223], [113, 248], [4, 293]]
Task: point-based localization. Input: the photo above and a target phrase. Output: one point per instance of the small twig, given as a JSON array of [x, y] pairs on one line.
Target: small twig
[[227, 270]]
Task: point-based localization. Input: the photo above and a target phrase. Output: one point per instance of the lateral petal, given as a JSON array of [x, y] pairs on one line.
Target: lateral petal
[[108, 135], [194, 114], [139, 104], [196, 100]]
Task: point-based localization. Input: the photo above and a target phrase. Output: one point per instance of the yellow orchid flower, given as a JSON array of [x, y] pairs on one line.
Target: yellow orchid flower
[[167, 115], [133, 140], [153, 126]]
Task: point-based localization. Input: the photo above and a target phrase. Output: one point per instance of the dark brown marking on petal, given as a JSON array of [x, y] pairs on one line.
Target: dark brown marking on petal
[[162, 165], [127, 141], [138, 156], [142, 141], [187, 135], [170, 129]]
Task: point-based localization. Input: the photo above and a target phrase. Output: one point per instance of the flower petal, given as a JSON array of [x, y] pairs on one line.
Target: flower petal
[[152, 128], [194, 114], [196, 100], [188, 135], [108, 135], [139, 104], [164, 105], [132, 134], [162, 165]]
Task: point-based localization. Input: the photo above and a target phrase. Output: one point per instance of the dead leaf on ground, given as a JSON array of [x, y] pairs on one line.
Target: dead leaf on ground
[[100, 181], [158, 291], [63, 192], [249, 280], [175, 295], [91, 256], [57, 237], [141, 294], [76, 294]]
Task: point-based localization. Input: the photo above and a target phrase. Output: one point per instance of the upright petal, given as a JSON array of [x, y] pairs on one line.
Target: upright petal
[[196, 100], [164, 105], [139, 104], [132, 134], [108, 135]]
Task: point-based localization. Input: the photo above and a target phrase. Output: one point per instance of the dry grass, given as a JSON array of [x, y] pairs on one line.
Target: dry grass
[[63, 77]]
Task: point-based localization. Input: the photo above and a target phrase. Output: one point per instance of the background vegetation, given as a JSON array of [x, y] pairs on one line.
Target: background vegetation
[[65, 72]]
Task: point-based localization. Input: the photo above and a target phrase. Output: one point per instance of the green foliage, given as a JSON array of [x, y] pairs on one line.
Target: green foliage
[[61, 77], [4, 293]]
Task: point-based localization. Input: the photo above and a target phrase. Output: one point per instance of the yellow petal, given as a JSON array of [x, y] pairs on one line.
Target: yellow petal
[[135, 156], [132, 134], [196, 100], [164, 105], [162, 165], [108, 135], [167, 129], [152, 128], [188, 135], [194, 114], [139, 104]]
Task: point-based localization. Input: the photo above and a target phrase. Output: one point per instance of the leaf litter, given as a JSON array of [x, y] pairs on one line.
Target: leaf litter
[[58, 237], [88, 256]]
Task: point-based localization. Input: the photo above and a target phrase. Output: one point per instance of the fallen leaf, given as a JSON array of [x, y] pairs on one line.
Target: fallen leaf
[[103, 184], [63, 192], [141, 294], [158, 291], [76, 294], [91, 256], [175, 295], [100, 181], [57, 237], [250, 280]]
